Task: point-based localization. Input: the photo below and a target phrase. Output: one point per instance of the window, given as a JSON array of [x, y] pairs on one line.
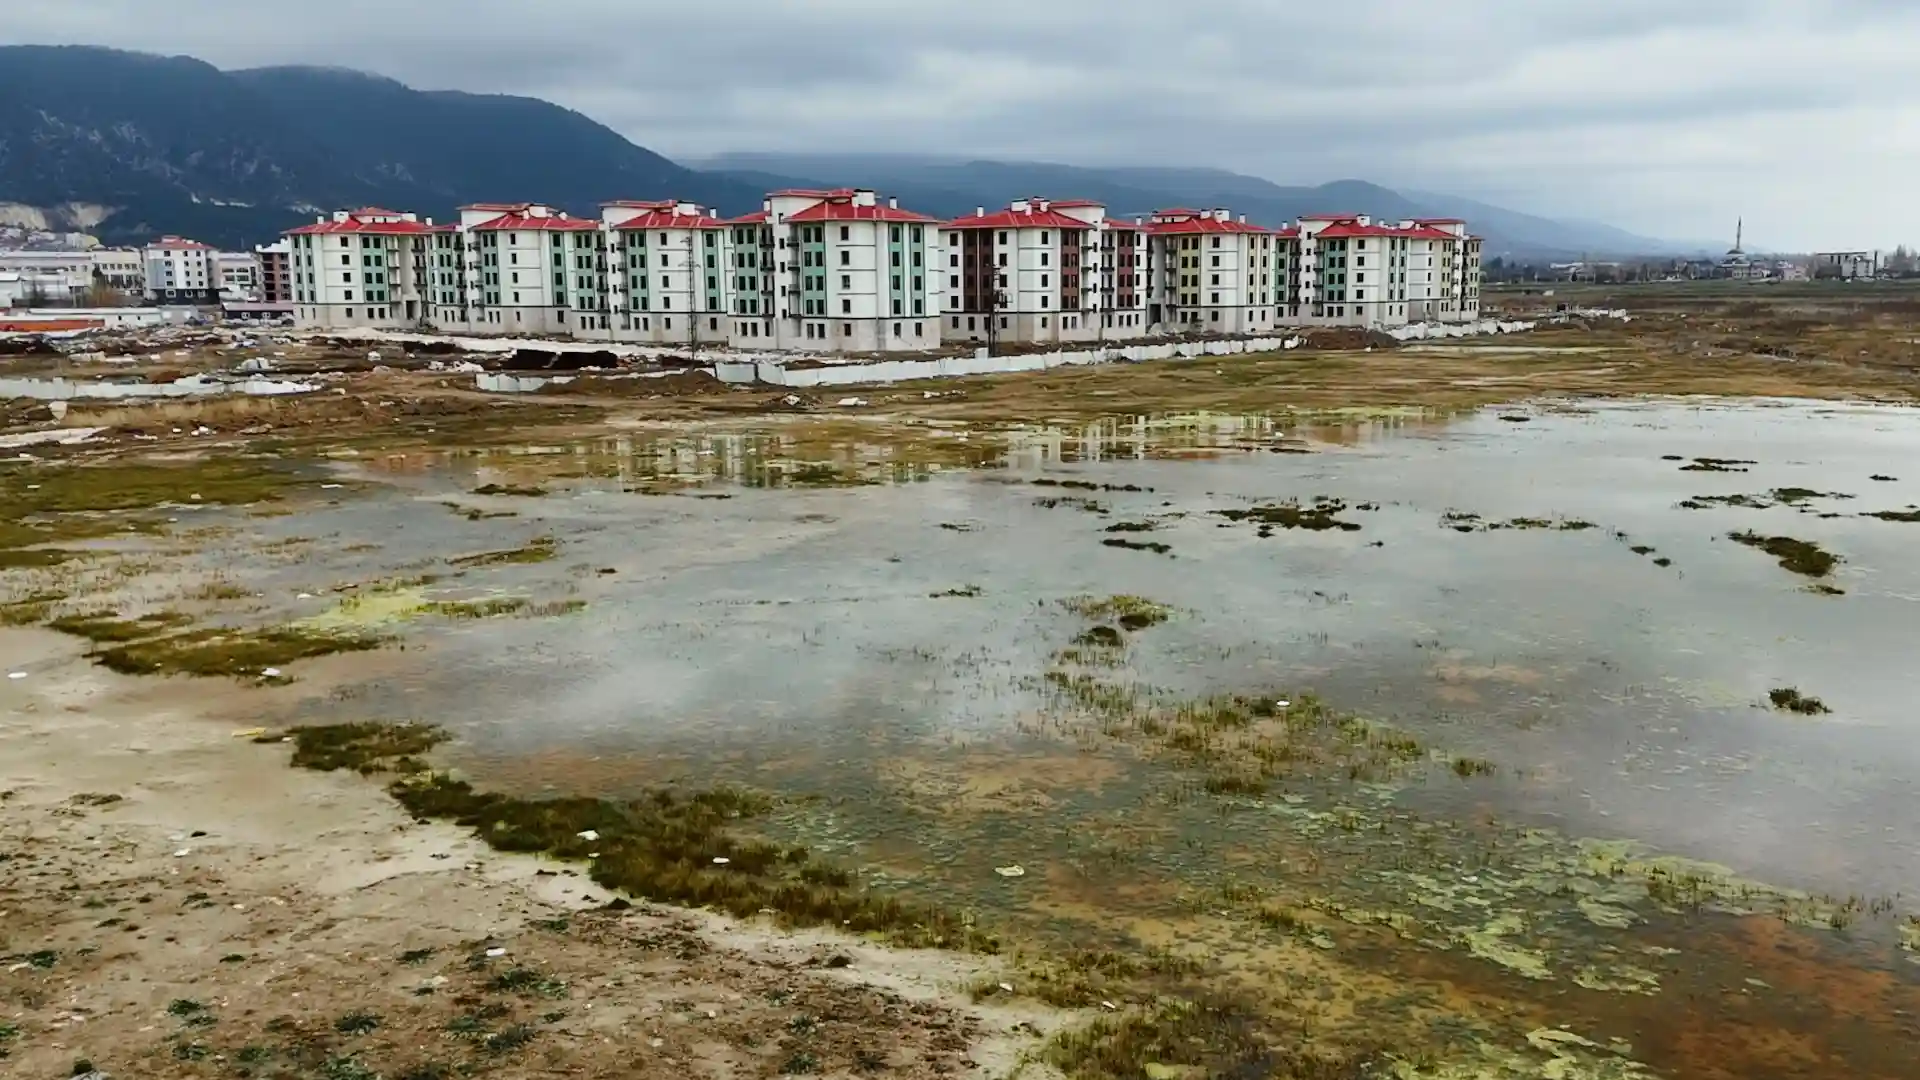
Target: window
[[953, 281], [845, 233], [896, 326], [846, 329], [846, 307], [1043, 255], [915, 234], [846, 258]]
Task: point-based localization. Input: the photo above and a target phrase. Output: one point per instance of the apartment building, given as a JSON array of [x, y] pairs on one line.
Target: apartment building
[[276, 271], [842, 270], [671, 281], [180, 271], [1348, 270], [364, 267], [239, 274], [1041, 272], [1210, 272]]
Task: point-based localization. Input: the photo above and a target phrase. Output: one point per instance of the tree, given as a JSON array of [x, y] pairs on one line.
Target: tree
[[1901, 263]]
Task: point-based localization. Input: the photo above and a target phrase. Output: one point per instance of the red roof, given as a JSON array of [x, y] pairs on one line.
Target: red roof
[[175, 243], [375, 211], [842, 208], [539, 224], [666, 219], [1290, 232], [355, 223], [758, 217], [1340, 230], [1121, 223], [1021, 219], [1199, 225]]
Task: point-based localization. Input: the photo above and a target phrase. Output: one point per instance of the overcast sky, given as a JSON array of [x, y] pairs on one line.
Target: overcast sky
[[1666, 117]]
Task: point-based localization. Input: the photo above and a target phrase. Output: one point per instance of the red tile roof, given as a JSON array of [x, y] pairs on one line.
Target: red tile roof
[[758, 217], [1200, 225], [175, 243], [538, 224], [666, 219], [1341, 230], [1290, 232], [1020, 219], [356, 224], [842, 208]]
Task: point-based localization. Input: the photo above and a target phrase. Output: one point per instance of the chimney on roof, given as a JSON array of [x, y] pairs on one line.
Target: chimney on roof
[[1243, 219], [893, 203], [1044, 204], [714, 213], [979, 211]]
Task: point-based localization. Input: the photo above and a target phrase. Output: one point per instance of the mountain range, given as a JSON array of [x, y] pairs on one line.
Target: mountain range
[[128, 146]]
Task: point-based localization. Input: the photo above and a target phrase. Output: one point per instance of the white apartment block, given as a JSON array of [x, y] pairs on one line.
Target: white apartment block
[[181, 271], [239, 274], [843, 271], [1041, 272], [360, 268], [1211, 273], [1347, 270]]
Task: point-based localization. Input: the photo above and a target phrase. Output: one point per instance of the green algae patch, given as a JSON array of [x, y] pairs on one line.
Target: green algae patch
[[510, 490], [1798, 556], [539, 550], [1465, 522], [105, 627], [1321, 515], [1490, 943], [668, 846], [31, 610], [1910, 517], [229, 652], [126, 486]]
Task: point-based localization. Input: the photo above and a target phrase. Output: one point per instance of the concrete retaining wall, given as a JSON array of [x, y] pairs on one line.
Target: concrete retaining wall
[[191, 386], [883, 371]]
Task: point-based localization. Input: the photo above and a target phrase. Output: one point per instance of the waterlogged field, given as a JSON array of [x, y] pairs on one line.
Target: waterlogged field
[[1567, 742]]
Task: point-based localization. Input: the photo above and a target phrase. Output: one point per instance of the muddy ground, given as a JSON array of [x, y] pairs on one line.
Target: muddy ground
[[177, 902]]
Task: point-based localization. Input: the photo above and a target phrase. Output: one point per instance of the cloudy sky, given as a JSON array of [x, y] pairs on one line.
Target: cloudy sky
[[1665, 117]]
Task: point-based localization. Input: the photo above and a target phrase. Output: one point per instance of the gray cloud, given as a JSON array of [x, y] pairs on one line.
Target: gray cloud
[[1661, 117]]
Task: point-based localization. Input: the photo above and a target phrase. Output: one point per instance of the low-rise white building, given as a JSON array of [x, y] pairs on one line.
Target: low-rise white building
[[181, 271], [1847, 265], [239, 274]]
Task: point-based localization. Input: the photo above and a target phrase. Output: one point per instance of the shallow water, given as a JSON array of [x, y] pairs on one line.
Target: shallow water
[[793, 637]]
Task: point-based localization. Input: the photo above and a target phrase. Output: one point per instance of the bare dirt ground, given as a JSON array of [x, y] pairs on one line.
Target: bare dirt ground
[[176, 902]]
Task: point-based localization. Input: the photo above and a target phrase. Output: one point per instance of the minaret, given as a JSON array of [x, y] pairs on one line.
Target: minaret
[[1739, 234]]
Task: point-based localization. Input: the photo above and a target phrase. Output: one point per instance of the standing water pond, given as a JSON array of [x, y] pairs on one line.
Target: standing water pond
[[1570, 743]]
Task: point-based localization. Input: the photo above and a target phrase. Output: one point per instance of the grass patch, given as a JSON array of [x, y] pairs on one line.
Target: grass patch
[[1465, 767], [514, 490], [668, 846], [103, 627], [474, 609], [1712, 464], [1910, 517], [1196, 1038], [1799, 556], [357, 1022], [965, 592], [1788, 699], [228, 652], [1136, 545], [30, 611], [1132, 612], [125, 486], [548, 609], [1318, 517], [1101, 637], [538, 550], [1131, 527]]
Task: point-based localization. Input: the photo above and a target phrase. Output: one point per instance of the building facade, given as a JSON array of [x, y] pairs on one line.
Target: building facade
[[1043, 273], [276, 271], [181, 271], [843, 271], [1210, 273], [360, 268]]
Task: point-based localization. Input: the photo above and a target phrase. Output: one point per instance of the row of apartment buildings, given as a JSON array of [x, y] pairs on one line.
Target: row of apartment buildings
[[170, 270], [843, 270]]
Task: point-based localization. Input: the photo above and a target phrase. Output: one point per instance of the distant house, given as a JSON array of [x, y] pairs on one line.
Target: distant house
[[1848, 265], [182, 271]]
